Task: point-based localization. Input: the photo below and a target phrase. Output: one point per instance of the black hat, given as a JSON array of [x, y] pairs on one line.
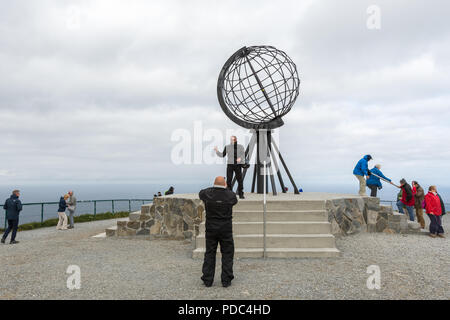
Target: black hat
[[369, 157]]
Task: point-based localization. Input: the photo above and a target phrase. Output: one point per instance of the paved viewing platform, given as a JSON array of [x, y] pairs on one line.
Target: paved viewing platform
[[116, 268]]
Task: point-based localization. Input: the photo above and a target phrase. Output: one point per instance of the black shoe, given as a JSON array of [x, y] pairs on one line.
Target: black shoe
[[207, 284], [226, 284], [241, 196], [3, 240], [14, 242]]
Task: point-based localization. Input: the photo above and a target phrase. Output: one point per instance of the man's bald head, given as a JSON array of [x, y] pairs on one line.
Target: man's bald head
[[220, 181]]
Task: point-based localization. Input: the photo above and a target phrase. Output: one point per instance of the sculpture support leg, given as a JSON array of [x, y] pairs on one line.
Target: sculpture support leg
[[263, 141], [277, 169], [248, 155], [285, 168]]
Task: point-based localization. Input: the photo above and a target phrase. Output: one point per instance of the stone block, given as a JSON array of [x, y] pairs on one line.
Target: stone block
[[372, 217], [156, 227], [356, 226], [335, 228], [131, 232], [122, 224], [148, 224], [346, 226], [145, 209], [145, 217], [188, 210], [133, 224], [143, 232], [201, 211], [110, 232], [371, 228], [372, 203], [187, 234], [121, 231], [381, 224], [394, 226]]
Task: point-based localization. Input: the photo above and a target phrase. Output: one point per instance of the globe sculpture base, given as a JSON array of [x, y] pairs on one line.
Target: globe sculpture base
[[266, 149]]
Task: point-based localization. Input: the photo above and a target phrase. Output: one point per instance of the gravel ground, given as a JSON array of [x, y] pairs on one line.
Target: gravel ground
[[412, 267]]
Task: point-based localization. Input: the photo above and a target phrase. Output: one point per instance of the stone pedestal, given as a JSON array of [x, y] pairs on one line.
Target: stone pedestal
[[179, 216]]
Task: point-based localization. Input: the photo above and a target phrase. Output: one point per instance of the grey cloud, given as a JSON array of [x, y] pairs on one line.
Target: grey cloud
[[100, 102]]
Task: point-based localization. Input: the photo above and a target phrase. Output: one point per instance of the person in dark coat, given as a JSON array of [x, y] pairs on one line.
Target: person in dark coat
[[408, 200], [374, 183], [442, 204], [235, 160], [419, 198], [219, 202], [169, 192], [62, 217], [13, 206]]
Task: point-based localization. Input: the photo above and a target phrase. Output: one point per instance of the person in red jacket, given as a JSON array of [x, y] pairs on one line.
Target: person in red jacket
[[407, 200], [433, 209]]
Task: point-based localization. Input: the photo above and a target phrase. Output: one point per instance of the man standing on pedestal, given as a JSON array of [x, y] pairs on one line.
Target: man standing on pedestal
[[235, 160]]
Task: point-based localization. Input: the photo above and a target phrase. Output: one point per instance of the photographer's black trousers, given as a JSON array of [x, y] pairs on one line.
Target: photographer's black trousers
[[237, 170], [225, 238]]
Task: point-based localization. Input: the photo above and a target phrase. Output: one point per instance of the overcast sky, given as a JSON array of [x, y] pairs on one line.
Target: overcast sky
[[92, 91]]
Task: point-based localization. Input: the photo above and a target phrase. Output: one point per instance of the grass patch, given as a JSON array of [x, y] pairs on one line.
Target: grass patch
[[77, 219]]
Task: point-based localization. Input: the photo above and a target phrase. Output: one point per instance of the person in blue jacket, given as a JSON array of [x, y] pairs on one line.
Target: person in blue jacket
[[374, 182], [361, 170], [12, 206]]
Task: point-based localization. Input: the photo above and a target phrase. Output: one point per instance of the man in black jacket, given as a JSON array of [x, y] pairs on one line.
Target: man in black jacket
[[13, 206], [219, 202], [236, 159]]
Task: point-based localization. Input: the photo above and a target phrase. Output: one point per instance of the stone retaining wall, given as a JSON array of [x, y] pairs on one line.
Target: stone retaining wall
[[172, 218], [354, 215], [179, 218]]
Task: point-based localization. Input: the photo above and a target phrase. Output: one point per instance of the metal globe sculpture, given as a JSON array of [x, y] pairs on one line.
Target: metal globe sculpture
[[257, 86]]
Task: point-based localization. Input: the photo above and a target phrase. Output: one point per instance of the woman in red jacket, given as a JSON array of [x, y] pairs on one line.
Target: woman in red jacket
[[434, 211]]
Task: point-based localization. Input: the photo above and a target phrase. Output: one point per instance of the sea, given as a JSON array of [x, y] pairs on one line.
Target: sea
[[33, 193]]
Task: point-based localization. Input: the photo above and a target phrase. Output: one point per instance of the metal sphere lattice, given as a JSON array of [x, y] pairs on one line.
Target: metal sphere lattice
[[257, 86]]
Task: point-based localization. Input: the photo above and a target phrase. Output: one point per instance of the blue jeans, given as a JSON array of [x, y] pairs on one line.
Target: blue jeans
[[410, 209]]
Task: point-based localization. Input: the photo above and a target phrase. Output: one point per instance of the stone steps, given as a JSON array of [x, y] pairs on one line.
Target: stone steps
[[279, 215], [278, 227], [294, 229], [282, 205], [276, 253], [111, 231], [278, 241]]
